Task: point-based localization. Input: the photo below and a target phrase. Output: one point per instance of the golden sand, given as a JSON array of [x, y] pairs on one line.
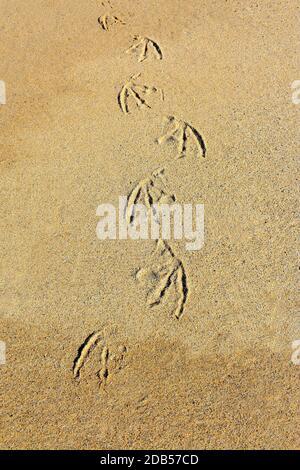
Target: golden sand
[[91, 88]]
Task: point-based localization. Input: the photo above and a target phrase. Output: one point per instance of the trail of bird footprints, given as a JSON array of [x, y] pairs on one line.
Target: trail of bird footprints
[[164, 275]]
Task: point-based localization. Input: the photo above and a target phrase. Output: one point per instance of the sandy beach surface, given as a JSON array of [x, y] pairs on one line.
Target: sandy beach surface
[[89, 363]]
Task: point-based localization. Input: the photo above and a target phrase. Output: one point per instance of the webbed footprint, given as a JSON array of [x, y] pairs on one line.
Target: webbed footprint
[[137, 92], [164, 273], [143, 46], [108, 355], [182, 132], [150, 191]]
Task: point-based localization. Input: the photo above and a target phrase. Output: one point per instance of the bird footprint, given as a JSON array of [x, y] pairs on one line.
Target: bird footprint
[[110, 360], [149, 191], [107, 20], [182, 132], [164, 273], [143, 46], [137, 92]]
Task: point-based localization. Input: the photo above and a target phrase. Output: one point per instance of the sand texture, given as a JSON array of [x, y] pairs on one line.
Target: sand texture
[[99, 354]]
